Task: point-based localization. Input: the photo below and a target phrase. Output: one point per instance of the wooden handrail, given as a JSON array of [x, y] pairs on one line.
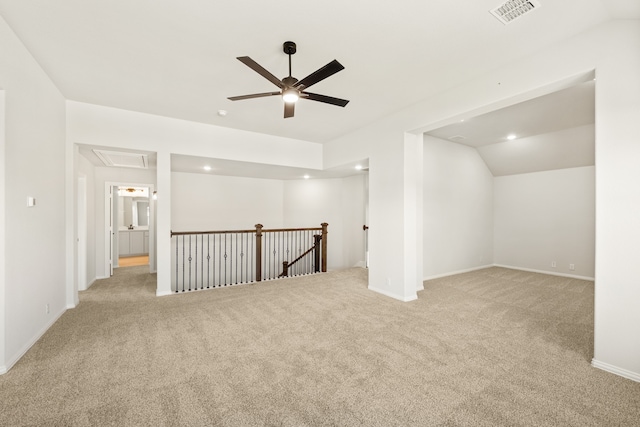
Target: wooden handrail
[[186, 233], [255, 254], [301, 256], [286, 264], [291, 229]]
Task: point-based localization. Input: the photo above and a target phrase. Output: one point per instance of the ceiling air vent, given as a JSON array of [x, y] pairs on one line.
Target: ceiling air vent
[[513, 9], [123, 159]]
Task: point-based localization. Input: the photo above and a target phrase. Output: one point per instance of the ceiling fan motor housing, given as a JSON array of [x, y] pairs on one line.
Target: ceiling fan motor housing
[[289, 81]]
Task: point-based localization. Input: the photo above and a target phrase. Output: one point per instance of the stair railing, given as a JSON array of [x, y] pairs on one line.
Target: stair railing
[[212, 259]]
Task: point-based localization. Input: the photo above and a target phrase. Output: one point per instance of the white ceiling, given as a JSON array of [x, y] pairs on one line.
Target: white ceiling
[[554, 131], [564, 109], [178, 58]]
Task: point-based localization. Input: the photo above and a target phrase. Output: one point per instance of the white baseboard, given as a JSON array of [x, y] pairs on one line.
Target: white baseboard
[[89, 284], [633, 376], [164, 293], [394, 296], [13, 360], [452, 273], [550, 273]]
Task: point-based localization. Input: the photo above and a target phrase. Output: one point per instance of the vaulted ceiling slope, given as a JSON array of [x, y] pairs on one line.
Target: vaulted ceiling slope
[[178, 58], [554, 131]]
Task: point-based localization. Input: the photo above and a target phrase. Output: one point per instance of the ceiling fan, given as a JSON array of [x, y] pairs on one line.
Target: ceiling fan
[[292, 89]]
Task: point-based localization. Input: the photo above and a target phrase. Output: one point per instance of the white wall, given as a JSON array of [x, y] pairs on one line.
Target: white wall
[[202, 202], [395, 183], [458, 208], [354, 201], [88, 170], [3, 367], [546, 216], [34, 165], [112, 127], [617, 341], [338, 202]]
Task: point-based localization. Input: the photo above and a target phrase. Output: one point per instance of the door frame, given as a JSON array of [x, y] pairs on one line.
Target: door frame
[[111, 223], [81, 232]]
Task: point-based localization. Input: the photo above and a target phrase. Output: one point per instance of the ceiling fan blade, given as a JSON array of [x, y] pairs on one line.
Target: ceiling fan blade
[[260, 70], [324, 98], [289, 107], [328, 70], [255, 95]]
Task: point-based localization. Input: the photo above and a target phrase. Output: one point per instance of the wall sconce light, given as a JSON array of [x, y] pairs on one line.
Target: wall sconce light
[[155, 195]]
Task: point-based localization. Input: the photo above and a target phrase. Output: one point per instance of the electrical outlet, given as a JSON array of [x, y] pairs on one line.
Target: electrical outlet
[[572, 267], [46, 308], [553, 264]]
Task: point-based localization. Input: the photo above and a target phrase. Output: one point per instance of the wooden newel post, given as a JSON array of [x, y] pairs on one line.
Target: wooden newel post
[[324, 246], [259, 252], [285, 269], [317, 238]]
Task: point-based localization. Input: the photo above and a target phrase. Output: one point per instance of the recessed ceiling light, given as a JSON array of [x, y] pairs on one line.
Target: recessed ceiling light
[[511, 137], [207, 168], [222, 113], [358, 167], [306, 177]]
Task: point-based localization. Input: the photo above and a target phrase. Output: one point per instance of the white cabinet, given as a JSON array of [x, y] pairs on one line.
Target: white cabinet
[[123, 243], [136, 242], [133, 242]]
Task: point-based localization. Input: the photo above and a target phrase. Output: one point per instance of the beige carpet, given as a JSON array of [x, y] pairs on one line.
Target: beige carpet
[[495, 347]]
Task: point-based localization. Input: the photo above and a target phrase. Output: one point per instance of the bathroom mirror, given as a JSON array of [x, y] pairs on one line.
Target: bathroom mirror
[[133, 207]]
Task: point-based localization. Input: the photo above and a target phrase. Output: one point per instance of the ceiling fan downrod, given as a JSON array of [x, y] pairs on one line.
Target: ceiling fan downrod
[[289, 48]]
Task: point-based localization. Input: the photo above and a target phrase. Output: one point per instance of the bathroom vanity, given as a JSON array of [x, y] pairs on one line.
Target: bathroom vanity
[[133, 242]]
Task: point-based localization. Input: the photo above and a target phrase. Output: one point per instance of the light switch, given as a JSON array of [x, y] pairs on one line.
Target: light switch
[[31, 202]]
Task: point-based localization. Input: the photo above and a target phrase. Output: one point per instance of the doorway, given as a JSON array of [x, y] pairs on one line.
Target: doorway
[[130, 229]]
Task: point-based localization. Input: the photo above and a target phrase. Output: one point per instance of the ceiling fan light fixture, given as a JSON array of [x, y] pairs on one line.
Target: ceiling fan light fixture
[[290, 95]]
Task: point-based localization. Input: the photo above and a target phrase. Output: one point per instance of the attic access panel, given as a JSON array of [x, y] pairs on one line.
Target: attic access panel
[[123, 159]]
